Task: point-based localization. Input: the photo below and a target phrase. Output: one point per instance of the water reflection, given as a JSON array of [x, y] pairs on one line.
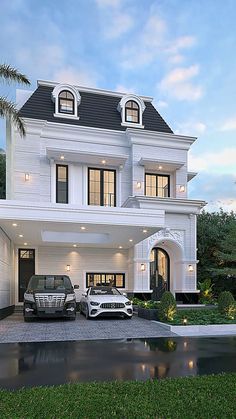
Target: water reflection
[[30, 364]]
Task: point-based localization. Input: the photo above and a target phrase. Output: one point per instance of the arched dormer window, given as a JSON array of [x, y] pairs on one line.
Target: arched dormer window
[[132, 112], [131, 108], [67, 100]]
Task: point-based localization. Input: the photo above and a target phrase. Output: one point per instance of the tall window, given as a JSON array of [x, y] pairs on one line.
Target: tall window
[[66, 102], [102, 187], [157, 185], [115, 280], [132, 112], [61, 184]]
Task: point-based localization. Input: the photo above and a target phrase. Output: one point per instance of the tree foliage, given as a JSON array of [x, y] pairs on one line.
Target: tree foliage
[[8, 109], [216, 235]]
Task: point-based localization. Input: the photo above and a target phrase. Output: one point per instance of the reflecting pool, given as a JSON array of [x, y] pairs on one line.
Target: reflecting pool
[[52, 363]]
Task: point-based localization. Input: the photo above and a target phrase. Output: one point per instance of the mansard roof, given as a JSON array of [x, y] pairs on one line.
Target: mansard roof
[[97, 109]]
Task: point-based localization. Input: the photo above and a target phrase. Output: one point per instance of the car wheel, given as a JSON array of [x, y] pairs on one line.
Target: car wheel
[[87, 313], [128, 317]]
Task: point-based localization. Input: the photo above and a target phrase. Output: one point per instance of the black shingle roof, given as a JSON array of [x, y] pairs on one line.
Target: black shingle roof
[[95, 110]]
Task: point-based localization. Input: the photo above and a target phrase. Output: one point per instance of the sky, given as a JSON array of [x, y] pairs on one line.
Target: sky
[[180, 52]]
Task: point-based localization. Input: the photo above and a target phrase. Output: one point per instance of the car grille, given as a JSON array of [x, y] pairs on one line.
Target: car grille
[[49, 300], [112, 305]]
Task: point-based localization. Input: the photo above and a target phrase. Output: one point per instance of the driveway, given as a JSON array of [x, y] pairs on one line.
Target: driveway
[[13, 329]]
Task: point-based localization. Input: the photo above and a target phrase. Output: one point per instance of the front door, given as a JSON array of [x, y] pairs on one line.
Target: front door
[[26, 268], [159, 273]]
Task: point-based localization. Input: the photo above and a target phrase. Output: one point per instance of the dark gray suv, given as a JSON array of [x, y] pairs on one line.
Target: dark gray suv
[[49, 296]]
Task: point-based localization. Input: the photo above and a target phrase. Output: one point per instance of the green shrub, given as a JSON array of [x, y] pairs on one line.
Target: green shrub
[[148, 304], [136, 301], [226, 304], [167, 306], [206, 293]]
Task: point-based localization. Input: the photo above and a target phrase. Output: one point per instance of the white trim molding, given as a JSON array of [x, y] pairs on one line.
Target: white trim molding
[[77, 98], [121, 109]]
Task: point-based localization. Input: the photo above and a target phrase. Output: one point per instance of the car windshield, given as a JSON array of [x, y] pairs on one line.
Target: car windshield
[[49, 283], [104, 291]]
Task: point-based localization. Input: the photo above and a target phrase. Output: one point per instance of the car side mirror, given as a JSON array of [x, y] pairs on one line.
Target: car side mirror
[[76, 287], [84, 295], [124, 293]]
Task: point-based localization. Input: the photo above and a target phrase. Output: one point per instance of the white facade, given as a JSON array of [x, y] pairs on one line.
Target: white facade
[[114, 239]]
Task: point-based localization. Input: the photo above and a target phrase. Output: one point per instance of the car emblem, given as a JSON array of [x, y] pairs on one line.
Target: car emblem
[[50, 298]]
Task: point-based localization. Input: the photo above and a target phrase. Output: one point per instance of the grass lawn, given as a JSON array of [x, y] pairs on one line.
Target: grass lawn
[[201, 316], [211, 396]]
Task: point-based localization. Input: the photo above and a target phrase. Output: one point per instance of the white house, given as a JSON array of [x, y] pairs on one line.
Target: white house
[[97, 190]]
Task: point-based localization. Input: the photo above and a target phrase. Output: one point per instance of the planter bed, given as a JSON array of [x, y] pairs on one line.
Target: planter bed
[[148, 313], [200, 330]]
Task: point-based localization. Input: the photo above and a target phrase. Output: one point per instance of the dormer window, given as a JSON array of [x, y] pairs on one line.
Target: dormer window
[[132, 112], [131, 108], [66, 102]]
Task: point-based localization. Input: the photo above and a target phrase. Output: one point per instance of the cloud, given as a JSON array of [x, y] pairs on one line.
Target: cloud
[[75, 76], [153, 42], [177, 83], [192, 128], [161, 104], [229, 124], [215, 189], [120, 23], [125, 89], [116, 21], [220, 161]]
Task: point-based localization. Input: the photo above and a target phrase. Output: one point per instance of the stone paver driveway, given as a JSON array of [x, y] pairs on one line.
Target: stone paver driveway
[[13, 329]]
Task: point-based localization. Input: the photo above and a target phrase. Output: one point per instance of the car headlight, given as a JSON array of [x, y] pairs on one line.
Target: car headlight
[[128, 303], [29, 297], [70, 297], [94, 303]]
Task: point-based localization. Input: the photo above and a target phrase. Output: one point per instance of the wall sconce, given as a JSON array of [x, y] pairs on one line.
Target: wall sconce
[[27, 177], [190, 268], [143, 267], [138, 185], [182, 188], [68, 268]]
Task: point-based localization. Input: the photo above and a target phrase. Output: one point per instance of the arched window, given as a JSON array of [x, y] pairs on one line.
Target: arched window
[[66, 102], [132, 112]]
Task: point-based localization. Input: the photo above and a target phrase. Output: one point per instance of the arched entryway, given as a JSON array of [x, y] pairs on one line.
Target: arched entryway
[[159, 272]]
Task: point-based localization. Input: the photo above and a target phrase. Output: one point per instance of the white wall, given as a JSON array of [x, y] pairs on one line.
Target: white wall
[[53, 260], [6, 274]]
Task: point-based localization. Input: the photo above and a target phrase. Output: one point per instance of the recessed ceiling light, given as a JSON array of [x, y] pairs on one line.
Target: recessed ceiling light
[[62, 157], [74, 245], [21, 235], [14, 225], [130, 240], [120, 247], [159, 167], [144, 230], [25, 244], [103, 161], [83, 228]]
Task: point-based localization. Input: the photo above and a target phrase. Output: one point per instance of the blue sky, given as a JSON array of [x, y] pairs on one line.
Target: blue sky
[[181, 52]]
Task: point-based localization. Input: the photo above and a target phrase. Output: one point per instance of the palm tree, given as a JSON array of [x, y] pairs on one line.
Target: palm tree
[[7, 108]]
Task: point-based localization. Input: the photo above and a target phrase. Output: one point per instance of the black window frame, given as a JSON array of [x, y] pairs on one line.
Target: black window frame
[[129, 108], [67, 183], [157, 175], [106, 273], [102, 185], [70, 100]]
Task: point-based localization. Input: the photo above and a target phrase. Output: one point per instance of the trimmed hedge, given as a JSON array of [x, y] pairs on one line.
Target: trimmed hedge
[[167, 306], [226, 304]]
